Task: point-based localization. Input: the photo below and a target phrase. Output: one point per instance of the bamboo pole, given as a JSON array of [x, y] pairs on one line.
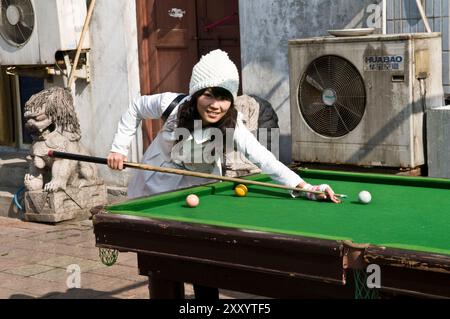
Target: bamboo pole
[[423, 15], [80, 44]]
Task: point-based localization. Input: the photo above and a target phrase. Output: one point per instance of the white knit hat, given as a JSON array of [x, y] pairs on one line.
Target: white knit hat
[[215, 69]]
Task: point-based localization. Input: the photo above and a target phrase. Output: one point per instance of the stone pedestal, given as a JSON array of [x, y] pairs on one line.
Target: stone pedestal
[[72, 203]]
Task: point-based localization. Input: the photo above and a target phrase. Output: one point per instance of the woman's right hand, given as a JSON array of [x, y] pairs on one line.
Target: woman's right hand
[[115, 160]]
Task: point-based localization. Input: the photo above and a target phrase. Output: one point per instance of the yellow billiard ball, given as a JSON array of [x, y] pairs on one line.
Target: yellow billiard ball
[[241, 190]]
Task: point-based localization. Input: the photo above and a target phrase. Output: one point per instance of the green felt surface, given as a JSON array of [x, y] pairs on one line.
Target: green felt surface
[[405, 212]]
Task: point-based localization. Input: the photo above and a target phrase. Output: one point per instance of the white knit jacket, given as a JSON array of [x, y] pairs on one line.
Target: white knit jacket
[[159, 153]]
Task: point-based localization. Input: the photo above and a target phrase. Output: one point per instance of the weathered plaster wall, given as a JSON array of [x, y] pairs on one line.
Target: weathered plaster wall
[[267, 25]]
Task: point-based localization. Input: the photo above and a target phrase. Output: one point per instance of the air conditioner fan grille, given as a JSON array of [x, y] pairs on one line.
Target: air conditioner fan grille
[[17, 21], [332, 96]]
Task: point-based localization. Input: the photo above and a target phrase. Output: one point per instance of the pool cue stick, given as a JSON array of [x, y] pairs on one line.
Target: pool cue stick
[[101, 160]]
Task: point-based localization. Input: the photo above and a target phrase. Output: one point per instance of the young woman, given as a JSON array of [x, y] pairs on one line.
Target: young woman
[[203, 123]]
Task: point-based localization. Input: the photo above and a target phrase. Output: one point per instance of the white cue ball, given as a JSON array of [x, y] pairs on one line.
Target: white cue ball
[[192, 200], [364, 197]]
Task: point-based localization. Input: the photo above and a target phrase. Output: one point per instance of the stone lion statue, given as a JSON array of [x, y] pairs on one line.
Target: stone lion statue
[[53, 123]]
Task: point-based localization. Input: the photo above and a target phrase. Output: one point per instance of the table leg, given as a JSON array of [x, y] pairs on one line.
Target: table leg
[[206, 293], [161, 288]]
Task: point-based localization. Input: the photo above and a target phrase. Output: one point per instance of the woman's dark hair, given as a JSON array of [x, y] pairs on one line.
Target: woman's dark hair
[[188, 112]]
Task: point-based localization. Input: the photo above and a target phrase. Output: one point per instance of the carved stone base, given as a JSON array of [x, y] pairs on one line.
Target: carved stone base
[[47, 207]]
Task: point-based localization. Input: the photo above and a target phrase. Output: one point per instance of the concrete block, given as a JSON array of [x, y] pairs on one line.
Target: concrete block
[[72, 203], [116, 194], [7, 207], [12, 171], [6, 198], [438, 142]]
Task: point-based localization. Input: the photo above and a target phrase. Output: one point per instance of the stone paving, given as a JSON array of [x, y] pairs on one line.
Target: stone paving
[[34, 261]]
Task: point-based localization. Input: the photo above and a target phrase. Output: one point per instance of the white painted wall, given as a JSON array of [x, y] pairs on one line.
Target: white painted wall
[[114, 82]]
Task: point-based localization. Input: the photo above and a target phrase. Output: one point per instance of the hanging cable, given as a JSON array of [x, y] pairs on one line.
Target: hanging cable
[[17, 198]]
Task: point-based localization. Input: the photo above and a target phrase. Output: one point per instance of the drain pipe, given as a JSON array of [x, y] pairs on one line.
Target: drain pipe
[[423, 15], [384, 17]]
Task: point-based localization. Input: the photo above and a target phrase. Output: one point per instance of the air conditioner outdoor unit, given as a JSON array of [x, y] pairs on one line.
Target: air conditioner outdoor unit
[[32, 31], [361, 100]]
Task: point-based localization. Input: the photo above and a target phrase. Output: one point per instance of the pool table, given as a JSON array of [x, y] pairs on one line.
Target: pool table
[[271, 244]]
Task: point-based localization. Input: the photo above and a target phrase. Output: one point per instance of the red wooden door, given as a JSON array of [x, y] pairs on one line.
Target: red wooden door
[[173, 35], [168, 49], [218, 28]]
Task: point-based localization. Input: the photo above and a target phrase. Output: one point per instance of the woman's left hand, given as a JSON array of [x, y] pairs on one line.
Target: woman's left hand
[[328, 193]]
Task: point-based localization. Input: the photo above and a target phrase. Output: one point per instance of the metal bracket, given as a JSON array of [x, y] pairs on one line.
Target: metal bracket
[[64, 66]]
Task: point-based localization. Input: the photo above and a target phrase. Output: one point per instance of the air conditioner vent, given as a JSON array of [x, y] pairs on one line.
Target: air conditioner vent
[[17, 22], [332, 96], [33, 31]]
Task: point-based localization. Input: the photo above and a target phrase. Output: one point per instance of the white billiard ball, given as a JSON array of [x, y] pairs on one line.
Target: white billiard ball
[[192, 200], [364, 197]]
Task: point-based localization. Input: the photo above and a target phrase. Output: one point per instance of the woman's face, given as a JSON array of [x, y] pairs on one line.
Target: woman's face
[[211, 109]]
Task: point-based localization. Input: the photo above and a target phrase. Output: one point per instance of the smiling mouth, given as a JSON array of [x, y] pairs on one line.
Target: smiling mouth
[[211, 113]]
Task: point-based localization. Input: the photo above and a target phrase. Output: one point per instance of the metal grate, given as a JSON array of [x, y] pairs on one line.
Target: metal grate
[[332, 96], [17, 21]]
